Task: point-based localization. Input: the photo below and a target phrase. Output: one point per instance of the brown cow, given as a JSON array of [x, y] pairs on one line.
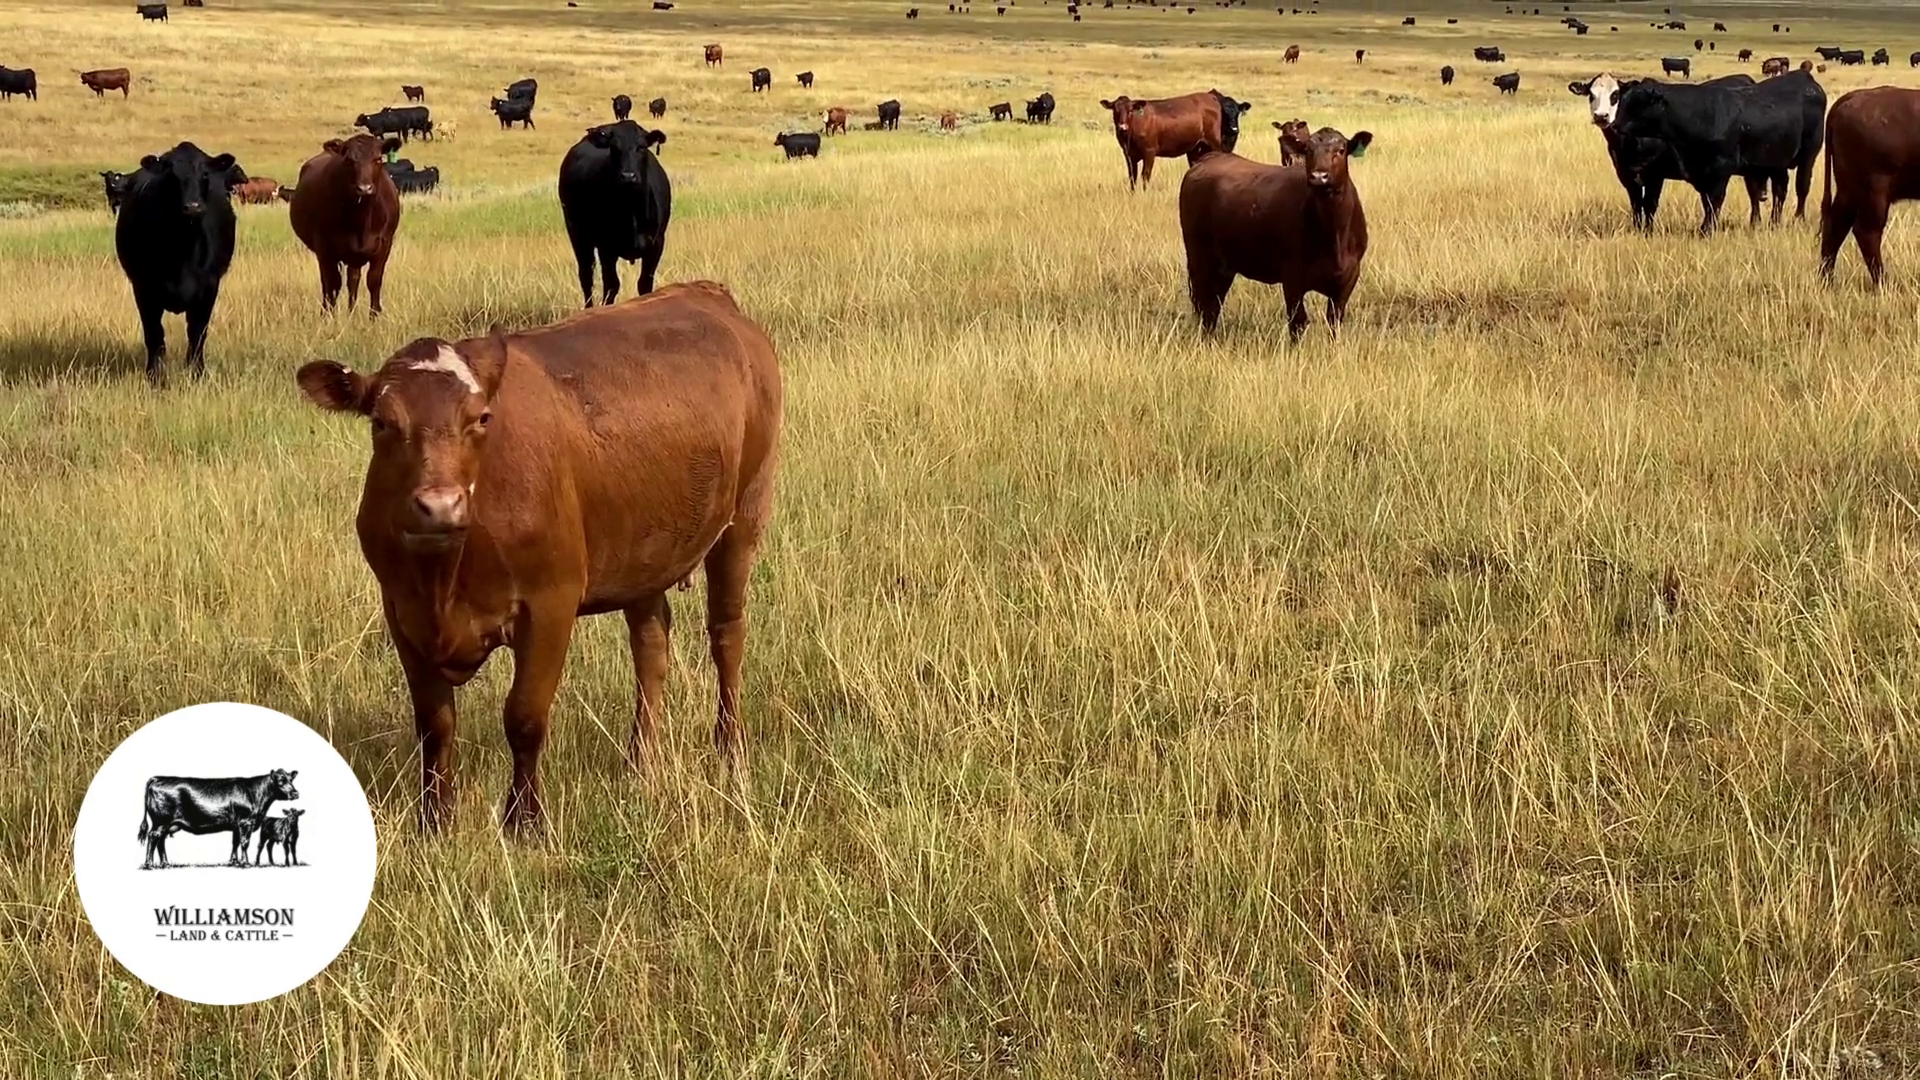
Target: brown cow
[[1292, 54], [1168, 127], [1873, 161], [346, 210], [1774, 66], [1301, 229], [836, 120], [948, 121], [257, 190], [715, 57], [521, 481], [1294, 139], [414, 93], [108, 79]]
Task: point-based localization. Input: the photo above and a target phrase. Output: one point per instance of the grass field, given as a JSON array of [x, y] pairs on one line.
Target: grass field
[[1523, 685]]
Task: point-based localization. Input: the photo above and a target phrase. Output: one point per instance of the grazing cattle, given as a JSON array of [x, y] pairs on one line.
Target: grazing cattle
[[1828, 52], [948, 121], [1359, 55], [346, 210], [1676, 65], [1880, 57], [1451, 22], [1230, 113], [1408, 21], [1775, 65], [1489, 54], [282, 831], [800, 145], [523, 90], [414, 93], [122, 80], [837, 119], [1718, 130], [762, 79], [116, 189], [1002, 111], [1873, 161], [889, 113], [1446, 75], [1301, 229], [805, 79], [1040, 109], [617, 201], [622, 106], [257, 190], [1644, 165], [1745, 55], [411, 181], [404, 122], [200, 806], [716, 57], [521, 481], [1508, 83], [657, 108], [1720, 27], [175, 242], [20, 81], [1168, 127], [511, 110], [1294, 137], [913, 13], [1292, 54], [663, 5], [1853, 56], [152, 12]]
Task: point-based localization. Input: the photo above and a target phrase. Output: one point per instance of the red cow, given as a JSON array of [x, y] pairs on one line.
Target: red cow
[[1169, 127], [346, 210]]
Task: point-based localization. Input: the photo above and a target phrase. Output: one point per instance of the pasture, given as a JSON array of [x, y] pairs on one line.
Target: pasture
[[1521, 685]]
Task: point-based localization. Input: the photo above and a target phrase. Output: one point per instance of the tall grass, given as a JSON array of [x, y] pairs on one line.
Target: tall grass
[[1521, 685]]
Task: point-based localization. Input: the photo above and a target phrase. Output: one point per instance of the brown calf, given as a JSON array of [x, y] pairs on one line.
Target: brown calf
[[836, 120], [1873, 161], [521, 481], [257, 190], [1301, 229], [715, 56], [1169, 127], [948, 121], [1295, 136], [1292, 54], [108, 79], [414, 93], [346, 210]]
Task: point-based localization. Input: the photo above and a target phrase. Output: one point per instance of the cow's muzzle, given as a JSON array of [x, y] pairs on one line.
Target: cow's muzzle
[[364, 190], [440, 512], [1319, 178], [194, 209], [634, 177]]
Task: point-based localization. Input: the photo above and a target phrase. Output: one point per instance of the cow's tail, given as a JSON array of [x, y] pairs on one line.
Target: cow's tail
[[145, 820]]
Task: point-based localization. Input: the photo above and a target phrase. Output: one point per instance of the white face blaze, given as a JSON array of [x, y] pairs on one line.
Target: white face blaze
[[449, 362], [1603, 98]]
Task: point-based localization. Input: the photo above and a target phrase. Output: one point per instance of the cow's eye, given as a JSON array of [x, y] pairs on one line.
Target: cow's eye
[[379, 426], [486, 417]]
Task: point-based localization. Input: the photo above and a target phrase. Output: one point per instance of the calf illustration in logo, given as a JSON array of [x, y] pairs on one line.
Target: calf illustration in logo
[[202, 805], [283, 830]]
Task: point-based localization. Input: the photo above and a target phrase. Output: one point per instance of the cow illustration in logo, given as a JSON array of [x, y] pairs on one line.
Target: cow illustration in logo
[[283, 830], [201, 805]]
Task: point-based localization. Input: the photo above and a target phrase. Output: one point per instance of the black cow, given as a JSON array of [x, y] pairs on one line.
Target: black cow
[[1880, 57], [1230, 113], [1745, 55], [1828, 53], [509, 111], [617, 201], [762, 79], [116, 187], [19, 81], [805, 79], [412, 181], [1446, 75], [399, 167], [663, 5], [806, 144], [202, 805], [1039, 110], [1004, 110], [1698, 44], [1853, 56], [528, 89], [622, 106], [175, 242], [657, 108], [1642, 165], [1914, 60], [889, 115], [1408, 21], [1720, 27], [1676, 65], [152, 12], [1717, 131], [1508, 83], [406, 121], [284, 831]]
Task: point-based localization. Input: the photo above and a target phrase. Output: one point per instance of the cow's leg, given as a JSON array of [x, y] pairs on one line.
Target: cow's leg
[[1650, 200], [649, 624], [539, 657], [1207, 285], [1803, 183], [583, 259], [329, 283], [1296, 312], [376, 277], [609, 276], [1756, 195], [650, 261], [1133, 171], [729, 565], [155, 333], [353, 286], [262, 851], [1867, 231], [1713, 195], [434, 720], [1836, 221], [1337, 303], [290, 850], [1146, 170], [199, 318]]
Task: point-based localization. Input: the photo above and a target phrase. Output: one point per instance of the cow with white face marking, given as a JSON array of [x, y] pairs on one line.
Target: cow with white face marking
[[1644, 165]]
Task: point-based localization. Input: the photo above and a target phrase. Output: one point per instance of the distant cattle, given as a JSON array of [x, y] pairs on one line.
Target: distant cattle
[[257, 190], [1489, 54], [889, 113], [1914, 60], [1302, 229], [175, 243], [949, 121], [513, 110], [1002, 111], [122, 80], [617, 202], [622, 106], [1294, 137], [414, 93], [1451, 22], [1776, 65], [412, 181], [1446, 75], [19, 81], [1169, 127], [762, 79], [805, 79], [1040, 109], [837, 119], [1880, 57], [716, 56], [657, 108], [1359, 55], [1873, 161], [1408, 21], [623, 449], [913, 13], [1720, 27], [202, 805], [523, 90], [282, 832], [873, 125], [806, 144], [1853, 56], [152, 12], [1676, 65], [115, 185], [194, 3], [406, 121], [346, 210], [663, 5], [1508, 83], [1698, 44], [1828, 52], [1745, 55], [1292, 54]]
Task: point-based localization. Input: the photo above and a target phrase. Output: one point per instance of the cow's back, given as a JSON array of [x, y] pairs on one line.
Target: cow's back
[[1176, 125], [1875, 133], [1246, 213]]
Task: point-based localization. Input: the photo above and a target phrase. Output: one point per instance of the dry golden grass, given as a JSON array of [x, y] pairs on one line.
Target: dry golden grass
[[1122, 704]]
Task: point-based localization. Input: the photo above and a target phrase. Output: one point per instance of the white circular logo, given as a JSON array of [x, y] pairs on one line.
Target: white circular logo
[[224, 853]]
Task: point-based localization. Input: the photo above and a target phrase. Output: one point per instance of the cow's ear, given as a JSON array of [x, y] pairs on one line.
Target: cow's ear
[[1579, 89], [1357, 145], [333, 386], [487, 357], [597, 136], [1278, 126], [150, 163], [223, 163], [332, 146], [1105, 104], [656, 138]]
